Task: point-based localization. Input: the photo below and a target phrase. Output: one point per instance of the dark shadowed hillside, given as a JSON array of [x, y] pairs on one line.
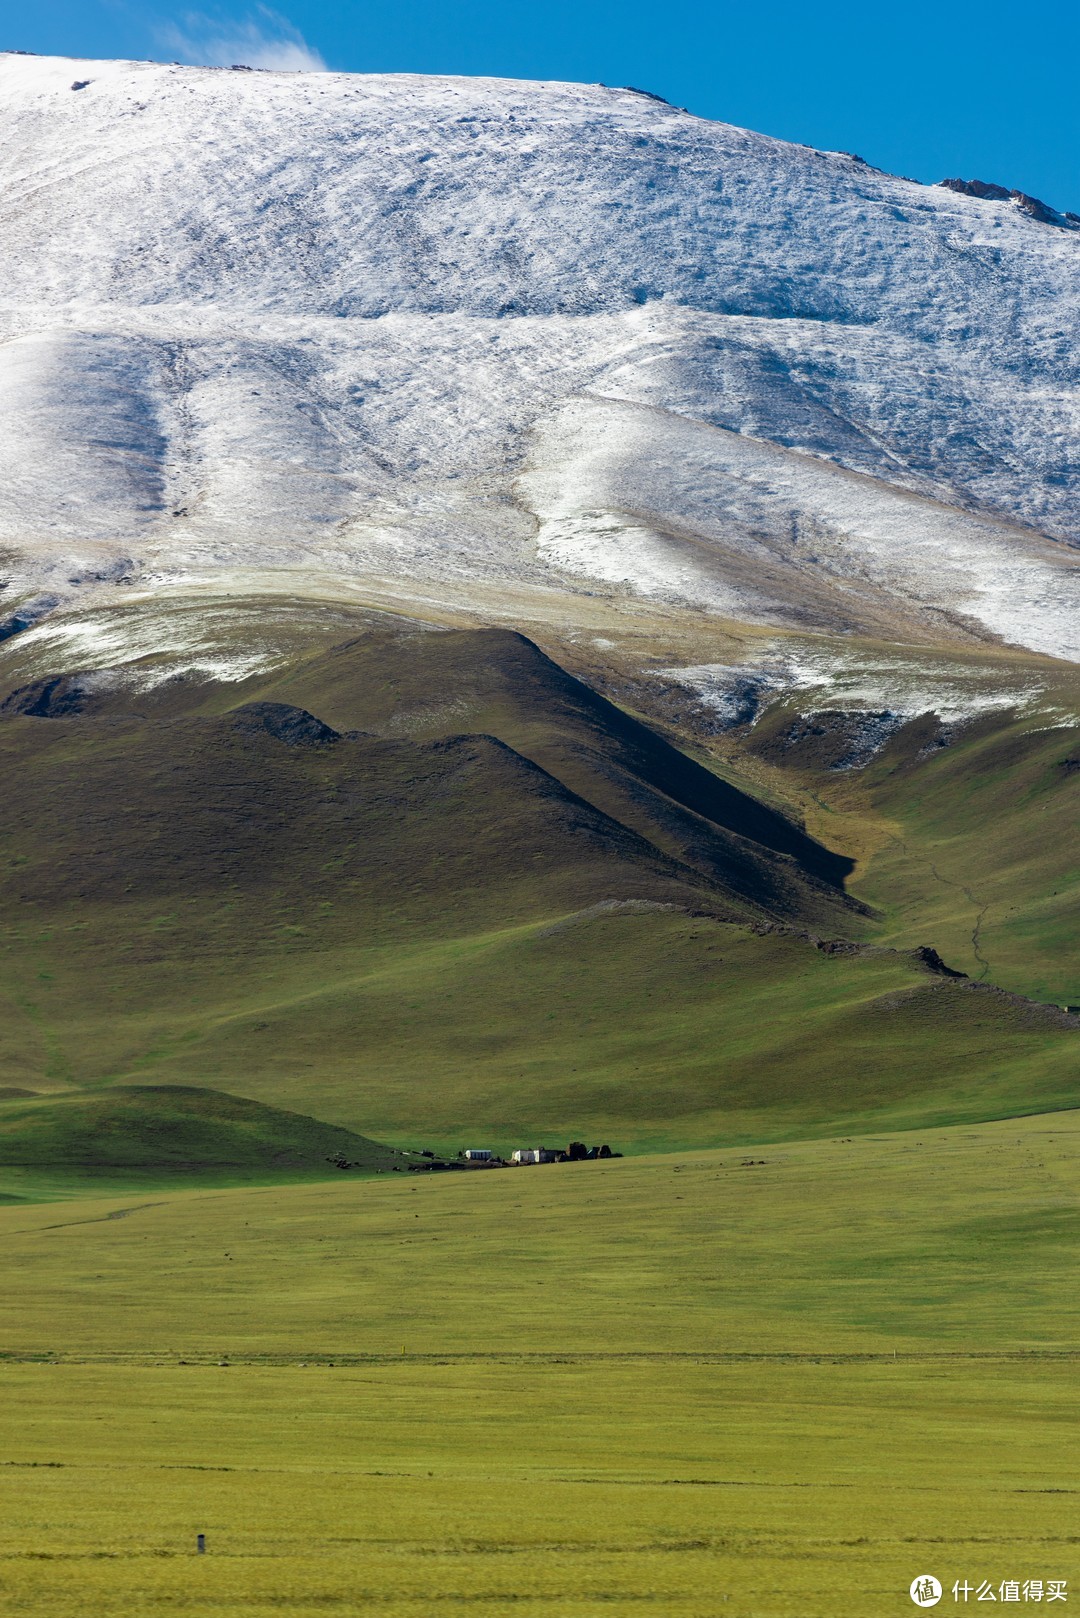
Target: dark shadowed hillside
[[493, 680], [516, 909]]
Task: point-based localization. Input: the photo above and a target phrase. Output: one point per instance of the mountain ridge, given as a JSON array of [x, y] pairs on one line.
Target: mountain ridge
[[328, 333]]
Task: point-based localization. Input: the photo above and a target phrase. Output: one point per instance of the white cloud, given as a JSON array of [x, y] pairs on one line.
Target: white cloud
[[262, 38]]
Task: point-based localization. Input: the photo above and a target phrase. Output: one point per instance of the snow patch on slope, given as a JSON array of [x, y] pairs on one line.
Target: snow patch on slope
[[480, 330], [859, 683], [678, 508]]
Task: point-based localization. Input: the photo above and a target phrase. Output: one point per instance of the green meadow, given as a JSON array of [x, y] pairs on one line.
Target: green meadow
[[814, 1334], [779, 1382], [645, 1027]]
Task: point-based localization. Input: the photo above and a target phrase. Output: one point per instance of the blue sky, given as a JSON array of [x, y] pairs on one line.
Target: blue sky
[[982, 90]]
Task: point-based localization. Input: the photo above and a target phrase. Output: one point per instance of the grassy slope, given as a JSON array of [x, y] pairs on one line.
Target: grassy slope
[[398, 833], [651, 1029], [940, 1240], [159, 1133], [985, 856], [970, 846], [375, 932], [658, 1385], [661, 1385]]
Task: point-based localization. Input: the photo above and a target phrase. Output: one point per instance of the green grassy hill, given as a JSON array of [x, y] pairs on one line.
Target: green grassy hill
[[238, 936], [648, 1027], [241, 811], [161, 1133], [967, 833], [496, 681], [427, 934], [985, 855]]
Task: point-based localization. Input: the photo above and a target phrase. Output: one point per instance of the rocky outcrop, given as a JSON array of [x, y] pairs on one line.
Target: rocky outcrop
[[978, 188], [293, 726], [56, 697], [988, 192], [927, 956]]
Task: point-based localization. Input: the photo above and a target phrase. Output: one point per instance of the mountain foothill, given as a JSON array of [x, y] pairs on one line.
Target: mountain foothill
[[525, 615]]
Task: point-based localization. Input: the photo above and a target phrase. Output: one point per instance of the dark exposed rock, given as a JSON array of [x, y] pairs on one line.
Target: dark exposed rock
[[978, 188], [14, 625], [1037, 210], [55, 697], [293, 726], [26, 616], [651, 95], [930, 958], [1032, 206], [121, 571], [833, 739], [1069, 766]]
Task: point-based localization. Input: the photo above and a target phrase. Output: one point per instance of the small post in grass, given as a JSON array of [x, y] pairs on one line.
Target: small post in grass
[[200, 1544]]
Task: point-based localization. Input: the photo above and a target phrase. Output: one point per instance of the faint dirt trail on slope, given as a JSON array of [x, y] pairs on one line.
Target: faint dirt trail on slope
[[981, 908]]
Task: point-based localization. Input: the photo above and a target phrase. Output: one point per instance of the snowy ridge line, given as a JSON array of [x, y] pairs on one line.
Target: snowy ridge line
[[510, 332]]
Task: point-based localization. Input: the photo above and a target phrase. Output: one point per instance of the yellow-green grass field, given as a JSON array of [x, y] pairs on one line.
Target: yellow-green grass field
[[779, 1382]]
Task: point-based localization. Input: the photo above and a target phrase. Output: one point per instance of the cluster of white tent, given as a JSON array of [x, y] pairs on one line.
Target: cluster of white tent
[[540, 1154]]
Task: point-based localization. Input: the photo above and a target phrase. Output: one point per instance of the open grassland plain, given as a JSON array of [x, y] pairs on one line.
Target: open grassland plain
[[779, 1383], [673, 1487]]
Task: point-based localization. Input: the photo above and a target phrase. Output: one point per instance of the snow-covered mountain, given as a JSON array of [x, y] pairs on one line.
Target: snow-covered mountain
[[267, 333]]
